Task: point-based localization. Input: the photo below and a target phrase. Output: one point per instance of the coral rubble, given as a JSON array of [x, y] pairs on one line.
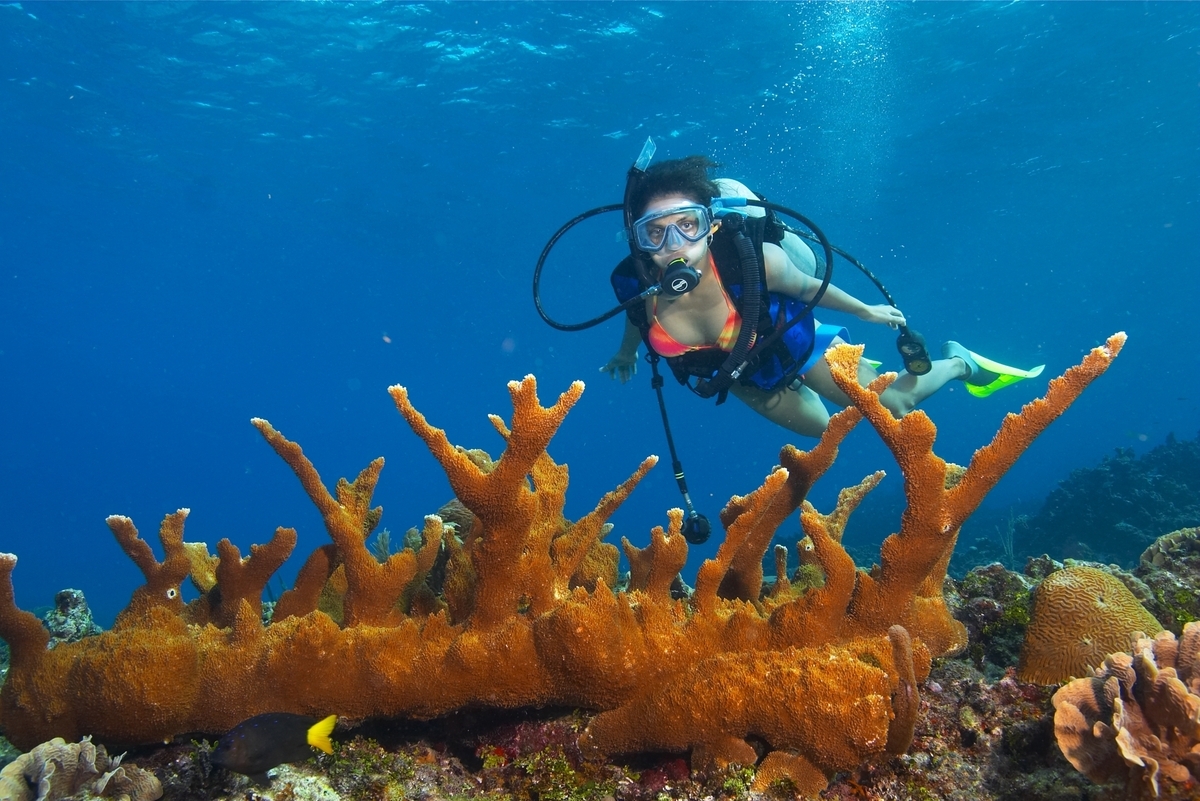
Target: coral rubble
[[993, 603], [827, 677]]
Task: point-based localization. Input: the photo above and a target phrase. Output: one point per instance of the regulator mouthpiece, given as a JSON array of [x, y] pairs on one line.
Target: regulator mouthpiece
[[679, 279]]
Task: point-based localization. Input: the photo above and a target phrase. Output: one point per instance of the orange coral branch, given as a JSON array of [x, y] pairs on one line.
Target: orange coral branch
[[310, 480], [818, 615], [905, 701], [653, 569], [599, 564], [459, 589], [535, 565], [744, 578], [753, 506], [163, 579], [245, 579], [914, 559], [203, 568], [432, 534], [848, 500], [569, 550], [25, 634], [782, 583], [501, 498], [1018, 431], [372, 589], [302, 598]]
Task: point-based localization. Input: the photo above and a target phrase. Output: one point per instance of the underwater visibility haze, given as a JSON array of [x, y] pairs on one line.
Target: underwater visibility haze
[[217, 211]]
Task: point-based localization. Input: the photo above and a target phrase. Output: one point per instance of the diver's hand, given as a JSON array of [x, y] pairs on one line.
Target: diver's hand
[[622, 366], [883, 314]]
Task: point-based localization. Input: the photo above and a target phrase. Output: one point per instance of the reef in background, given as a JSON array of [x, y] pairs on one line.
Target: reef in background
[[1112, 512], [826, 677]]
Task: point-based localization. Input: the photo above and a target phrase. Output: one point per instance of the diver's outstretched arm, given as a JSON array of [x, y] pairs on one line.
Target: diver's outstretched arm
[[623, 365], [784, 277]]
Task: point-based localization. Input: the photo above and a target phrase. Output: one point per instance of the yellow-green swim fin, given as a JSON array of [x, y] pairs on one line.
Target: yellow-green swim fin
[[987, 376]]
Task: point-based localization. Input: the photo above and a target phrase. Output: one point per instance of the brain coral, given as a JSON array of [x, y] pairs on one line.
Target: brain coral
[[1139, 714], [1080, 615]]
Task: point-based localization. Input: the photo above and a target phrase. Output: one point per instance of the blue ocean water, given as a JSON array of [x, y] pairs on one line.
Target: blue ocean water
[[210, 212]]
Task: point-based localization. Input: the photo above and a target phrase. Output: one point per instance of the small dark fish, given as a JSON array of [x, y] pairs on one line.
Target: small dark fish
[[262, 742]]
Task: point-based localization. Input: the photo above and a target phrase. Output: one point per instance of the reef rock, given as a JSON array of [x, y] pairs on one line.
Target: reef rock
[[70, 619], [1170, 569]]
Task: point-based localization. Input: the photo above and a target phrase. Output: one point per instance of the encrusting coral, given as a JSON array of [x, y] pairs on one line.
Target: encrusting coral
[[1138, 714], [827, 677]]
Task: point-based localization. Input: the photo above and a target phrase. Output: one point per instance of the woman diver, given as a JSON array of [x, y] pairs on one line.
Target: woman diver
[[694, 330]]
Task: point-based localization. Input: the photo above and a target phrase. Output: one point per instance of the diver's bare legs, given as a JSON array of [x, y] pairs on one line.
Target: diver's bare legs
[[802, 411], [799, 411], [908, 390], [905, 393]]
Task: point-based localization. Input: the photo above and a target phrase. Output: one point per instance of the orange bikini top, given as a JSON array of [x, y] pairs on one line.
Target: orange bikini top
[[667, 346]]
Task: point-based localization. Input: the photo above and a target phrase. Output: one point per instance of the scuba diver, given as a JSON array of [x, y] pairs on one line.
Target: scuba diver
[[722, 289], [675, 229]]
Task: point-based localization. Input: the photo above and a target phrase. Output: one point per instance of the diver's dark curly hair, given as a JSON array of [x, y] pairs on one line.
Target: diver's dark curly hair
[[686, 176]]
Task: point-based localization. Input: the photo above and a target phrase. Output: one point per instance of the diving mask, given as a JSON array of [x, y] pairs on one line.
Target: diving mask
[[672, 228]]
